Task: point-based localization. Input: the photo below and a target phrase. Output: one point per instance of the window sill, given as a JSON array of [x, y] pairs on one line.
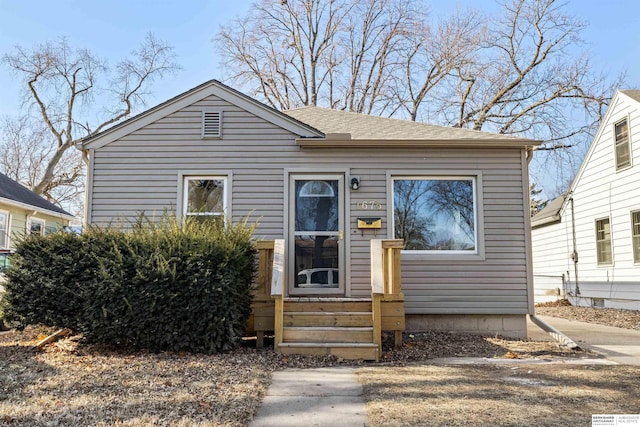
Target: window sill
[[426, 256]]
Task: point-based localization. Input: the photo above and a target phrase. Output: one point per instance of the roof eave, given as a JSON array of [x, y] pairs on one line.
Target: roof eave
[[330, 142], [553, 219], [36, 209]]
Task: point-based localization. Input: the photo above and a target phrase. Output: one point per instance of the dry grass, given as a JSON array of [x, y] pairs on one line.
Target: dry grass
[[471, 395], [628, 319]]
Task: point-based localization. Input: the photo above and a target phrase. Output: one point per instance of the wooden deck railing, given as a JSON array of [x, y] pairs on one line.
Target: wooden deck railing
[[386, 290], [262, 306], [277, 290]]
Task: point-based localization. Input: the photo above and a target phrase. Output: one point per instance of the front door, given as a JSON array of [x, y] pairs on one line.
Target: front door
[[315, 234]]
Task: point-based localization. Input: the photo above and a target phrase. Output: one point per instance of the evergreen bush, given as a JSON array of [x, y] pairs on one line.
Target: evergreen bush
[[159, 285]]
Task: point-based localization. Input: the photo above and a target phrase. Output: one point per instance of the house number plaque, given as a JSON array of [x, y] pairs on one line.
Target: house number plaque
[[369, 205]]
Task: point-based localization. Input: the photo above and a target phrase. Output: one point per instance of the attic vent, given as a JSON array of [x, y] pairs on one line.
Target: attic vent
[[212, 124]]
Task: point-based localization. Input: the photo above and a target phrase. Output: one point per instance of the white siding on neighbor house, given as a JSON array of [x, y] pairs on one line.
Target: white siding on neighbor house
[[601, 192], [139, 172], [552, 267]]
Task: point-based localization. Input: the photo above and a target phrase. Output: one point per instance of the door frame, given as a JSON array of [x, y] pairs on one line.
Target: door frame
[[291, 175]]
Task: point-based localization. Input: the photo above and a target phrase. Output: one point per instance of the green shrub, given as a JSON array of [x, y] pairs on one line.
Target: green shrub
[[160, 285]]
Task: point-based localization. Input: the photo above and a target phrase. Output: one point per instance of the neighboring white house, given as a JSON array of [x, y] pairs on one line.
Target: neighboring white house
[[587, 242]]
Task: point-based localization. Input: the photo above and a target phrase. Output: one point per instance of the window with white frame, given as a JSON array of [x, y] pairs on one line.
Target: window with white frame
[[436, 214], [4, 229], [635, 233], [603, 242], [623, 149], [204, 197], [36, 226]]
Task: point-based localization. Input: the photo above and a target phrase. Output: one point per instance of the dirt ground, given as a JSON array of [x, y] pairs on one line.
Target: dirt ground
[[498, 395], [73, 383], [628, 319]]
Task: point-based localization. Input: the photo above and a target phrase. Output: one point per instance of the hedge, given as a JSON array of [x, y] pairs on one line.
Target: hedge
[[162, 286]]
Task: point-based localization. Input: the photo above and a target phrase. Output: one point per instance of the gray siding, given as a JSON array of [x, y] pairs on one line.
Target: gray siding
[[139, 172]]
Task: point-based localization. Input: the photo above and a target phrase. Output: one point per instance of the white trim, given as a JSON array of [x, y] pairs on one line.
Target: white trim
[[627, 120], [595, 223], [7, 229], [475, 176], [31, 220], [633, 252], [183, 176], [192, 96], [88, 206], [36, 209]]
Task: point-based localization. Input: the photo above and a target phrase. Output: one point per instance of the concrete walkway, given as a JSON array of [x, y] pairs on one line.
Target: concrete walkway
[[616, 344], [330, 397]]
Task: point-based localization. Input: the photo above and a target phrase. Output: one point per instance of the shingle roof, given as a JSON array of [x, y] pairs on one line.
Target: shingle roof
[[632, 93], [550, 213], [365, 127], [9, 189]]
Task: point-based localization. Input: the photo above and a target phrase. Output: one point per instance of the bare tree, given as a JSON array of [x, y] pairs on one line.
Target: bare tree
[[25, 149], [431, 58], [529, 78], [338, 53], [62, 82]]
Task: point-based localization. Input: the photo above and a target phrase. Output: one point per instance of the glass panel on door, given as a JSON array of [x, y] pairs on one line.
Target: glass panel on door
[[317, 234]]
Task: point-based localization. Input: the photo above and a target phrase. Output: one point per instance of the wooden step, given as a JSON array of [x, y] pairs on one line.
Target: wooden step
[[327, 305], [351, 351], [328, 318], [327, 334]]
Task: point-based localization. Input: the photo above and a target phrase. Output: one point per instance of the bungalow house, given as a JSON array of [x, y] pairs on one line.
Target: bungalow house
[[586, 243], [23, 211], [337, 191]]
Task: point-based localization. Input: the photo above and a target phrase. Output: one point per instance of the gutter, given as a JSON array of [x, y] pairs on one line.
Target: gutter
[[559, 337], [36, 209]]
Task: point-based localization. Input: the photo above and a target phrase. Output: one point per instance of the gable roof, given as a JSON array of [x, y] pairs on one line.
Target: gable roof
[[361, 129], [632, 93], [211, 87], [18, 195], [551, 213]]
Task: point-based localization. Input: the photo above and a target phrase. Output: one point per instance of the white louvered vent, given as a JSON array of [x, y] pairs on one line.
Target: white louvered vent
[[212, 124]]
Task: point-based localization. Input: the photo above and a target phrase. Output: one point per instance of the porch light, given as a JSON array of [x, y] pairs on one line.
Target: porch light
[[355, 182]]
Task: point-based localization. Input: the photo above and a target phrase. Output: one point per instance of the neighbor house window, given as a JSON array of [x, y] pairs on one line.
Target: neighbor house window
[[36, 226], [204, 197], [4, 230], [623, 149], [603, 241], [635, 232], [436, 214]]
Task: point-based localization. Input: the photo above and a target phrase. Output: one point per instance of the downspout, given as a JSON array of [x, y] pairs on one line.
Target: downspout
[[559, 337], [574, 253]]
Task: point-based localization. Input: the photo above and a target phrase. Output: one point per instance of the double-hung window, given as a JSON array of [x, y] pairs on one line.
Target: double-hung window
[[36, 226], [4, 230], [205, 197], [623, 149], [635, 235], [603, 242], [436, 214]]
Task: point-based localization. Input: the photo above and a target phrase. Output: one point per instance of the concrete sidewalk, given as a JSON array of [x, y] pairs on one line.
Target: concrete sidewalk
[[330, 397], [616, 344]]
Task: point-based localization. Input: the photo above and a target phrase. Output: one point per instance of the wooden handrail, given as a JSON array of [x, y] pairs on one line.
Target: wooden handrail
[[386, 285], [265, 269], [277, 289]]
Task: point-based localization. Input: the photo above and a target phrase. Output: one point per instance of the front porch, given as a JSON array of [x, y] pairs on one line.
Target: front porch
[[350, 328]]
